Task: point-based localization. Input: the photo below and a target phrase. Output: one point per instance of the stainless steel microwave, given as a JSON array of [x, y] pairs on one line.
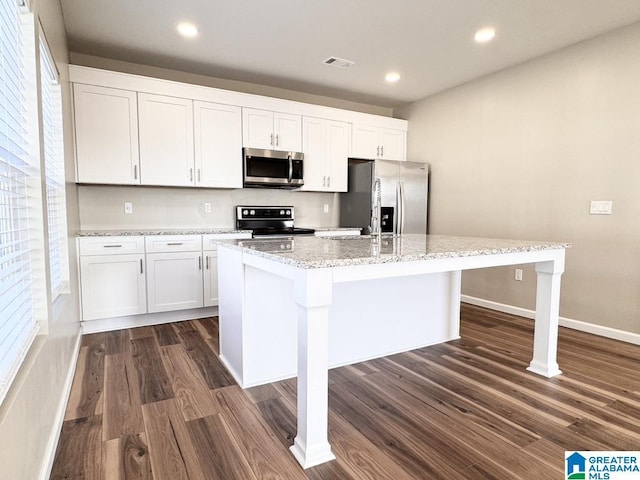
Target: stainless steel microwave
[[272, 168]]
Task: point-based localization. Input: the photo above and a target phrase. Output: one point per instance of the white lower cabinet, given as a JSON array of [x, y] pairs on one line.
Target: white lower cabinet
[[174, 272], [112, 277], [210, 252], [132, 275], [211, 278]]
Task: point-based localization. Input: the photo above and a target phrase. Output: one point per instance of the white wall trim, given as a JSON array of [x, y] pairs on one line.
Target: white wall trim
[[146, 319], [581, 326], [52, 445]]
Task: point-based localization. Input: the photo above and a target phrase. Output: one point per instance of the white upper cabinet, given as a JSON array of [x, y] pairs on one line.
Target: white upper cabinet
[[271, 130], [376, 142], [218, 145], [326, 151], [106, 122], [287, 130], [166, 140]]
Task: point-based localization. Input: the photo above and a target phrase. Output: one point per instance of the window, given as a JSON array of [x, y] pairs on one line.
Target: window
[[18, 326], [54, 171]]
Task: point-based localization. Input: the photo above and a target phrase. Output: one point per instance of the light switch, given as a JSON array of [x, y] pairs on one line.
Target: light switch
[[601, 207], [128, 207], [325, 208], [207, 207]]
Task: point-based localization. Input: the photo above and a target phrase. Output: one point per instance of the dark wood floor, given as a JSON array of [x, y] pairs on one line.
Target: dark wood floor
[[156, 403]]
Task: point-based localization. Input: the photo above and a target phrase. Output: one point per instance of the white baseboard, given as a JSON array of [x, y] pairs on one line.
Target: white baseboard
[[133, 321], [600, 330], [52, 446]]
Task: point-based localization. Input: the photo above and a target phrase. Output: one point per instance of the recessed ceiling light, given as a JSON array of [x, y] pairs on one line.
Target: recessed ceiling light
[[485, 35], [392, 77], [187, 29]]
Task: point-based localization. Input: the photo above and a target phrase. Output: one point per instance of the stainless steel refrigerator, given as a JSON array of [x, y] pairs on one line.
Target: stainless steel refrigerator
[[404, 192]]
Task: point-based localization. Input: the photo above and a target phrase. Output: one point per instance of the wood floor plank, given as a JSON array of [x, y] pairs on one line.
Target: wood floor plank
[[190, 390], [153, 381], [166, 334], [122, 404], [217, 449], [86, 399], [141, 332], [113, 342], [172, 453], [258, 443], [79, 452], [208, 364], [127, 458]]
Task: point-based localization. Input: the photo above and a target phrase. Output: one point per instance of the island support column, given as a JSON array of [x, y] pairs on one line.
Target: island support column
[[313, 297], [545, 338]]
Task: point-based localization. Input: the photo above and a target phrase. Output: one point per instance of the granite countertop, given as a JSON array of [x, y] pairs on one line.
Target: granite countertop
[[318, 252], [159, 231], [186, 231]]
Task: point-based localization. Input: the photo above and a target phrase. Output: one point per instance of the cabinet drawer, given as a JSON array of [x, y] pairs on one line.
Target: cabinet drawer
[[209, 240], [173, 243], [110, 245]]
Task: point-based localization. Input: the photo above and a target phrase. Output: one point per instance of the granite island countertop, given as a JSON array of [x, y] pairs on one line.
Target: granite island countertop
[[340, 251]]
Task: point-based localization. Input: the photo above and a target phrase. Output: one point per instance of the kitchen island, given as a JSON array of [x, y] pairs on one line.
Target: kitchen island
[[301, 306]]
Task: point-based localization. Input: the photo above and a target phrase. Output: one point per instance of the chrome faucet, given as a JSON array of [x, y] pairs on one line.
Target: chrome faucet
[[377, 209]]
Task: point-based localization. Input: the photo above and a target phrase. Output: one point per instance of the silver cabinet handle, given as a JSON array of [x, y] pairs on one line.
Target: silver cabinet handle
[[112, 246], [382, 151], [378, 151], [135, 172], [191, 174], [207, 262], [277, 140], [174, 243], [200, 263], [329, 181], [324, 181], [198, 175], [141, 269], [271, 141]]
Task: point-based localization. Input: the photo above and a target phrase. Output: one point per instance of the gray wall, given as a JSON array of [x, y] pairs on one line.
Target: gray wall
[[30, 414], [520, 154]]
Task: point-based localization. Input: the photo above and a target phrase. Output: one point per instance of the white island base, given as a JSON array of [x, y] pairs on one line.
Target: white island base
[[367, 319], [327, 303]]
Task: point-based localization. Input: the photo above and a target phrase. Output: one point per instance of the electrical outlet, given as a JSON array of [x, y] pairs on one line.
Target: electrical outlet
[[207, 207], [601, 207], [325, 209], [518, 274], [128, 207]]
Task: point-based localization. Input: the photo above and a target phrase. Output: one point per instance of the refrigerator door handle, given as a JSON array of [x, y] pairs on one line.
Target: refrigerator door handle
[[401, 209]]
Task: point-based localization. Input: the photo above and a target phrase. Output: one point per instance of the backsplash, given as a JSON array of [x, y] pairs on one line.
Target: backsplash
[[102, 207]]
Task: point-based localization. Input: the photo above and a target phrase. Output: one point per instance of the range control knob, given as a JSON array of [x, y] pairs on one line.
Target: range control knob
[[252, 212], [288, 212], [245, 212], [281, 212]]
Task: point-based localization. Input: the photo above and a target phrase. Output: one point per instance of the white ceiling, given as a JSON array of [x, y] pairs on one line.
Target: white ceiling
[[283, 42]]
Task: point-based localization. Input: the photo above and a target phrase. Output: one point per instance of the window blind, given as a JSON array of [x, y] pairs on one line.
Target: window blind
[[54, 170], [18, 326]]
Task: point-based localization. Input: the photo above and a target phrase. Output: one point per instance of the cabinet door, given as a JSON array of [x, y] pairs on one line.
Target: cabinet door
[[287, 129], [218, 145], [210, 278], [365, 142], [174, 281], [314, 148], [337, 156], [106, 126], [392, 144], [112, 286], [166, 140], [257, 128]]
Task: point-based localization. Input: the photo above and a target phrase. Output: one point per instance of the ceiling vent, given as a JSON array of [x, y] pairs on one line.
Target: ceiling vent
[[338, 62]]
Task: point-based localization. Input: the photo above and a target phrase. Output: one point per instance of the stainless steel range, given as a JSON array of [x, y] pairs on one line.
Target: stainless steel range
[[268, 222]]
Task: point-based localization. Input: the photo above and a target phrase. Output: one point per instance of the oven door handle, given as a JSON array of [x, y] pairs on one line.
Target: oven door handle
[[290, 168]]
